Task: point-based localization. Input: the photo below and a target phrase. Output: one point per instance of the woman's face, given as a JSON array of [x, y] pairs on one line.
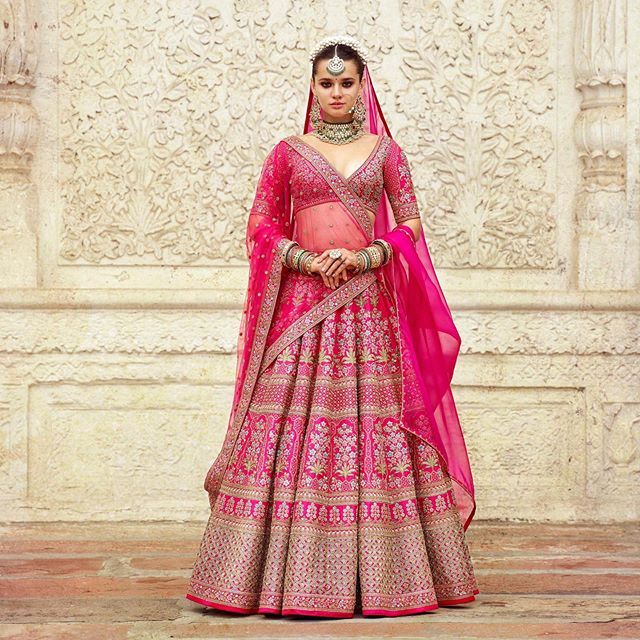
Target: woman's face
[[336, 94]]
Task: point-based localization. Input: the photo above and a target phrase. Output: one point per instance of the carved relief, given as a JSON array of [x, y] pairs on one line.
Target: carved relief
[[159, 176], [18, 138], [622, 441], [480, 85], [18, 62], [18, 58], [166, 110], [607, 242], [154, 175]]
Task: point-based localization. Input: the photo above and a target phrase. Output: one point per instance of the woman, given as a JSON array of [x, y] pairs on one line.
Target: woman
[[343, 483]]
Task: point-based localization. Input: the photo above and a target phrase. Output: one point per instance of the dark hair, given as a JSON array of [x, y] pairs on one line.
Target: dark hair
[[344, 51]]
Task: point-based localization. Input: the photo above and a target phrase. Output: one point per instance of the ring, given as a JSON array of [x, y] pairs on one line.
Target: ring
[[335, 253]]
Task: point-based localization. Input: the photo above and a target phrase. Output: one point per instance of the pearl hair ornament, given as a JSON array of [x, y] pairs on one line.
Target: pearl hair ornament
[[340, 39]]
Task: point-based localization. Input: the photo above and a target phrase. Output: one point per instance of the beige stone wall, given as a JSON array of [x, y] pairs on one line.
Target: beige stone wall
[[131, 136]]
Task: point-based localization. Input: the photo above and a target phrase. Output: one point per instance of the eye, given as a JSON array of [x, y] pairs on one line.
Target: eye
[[326, 85]]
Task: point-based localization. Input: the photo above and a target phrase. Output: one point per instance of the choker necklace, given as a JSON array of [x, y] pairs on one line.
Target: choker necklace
[[339, 132]]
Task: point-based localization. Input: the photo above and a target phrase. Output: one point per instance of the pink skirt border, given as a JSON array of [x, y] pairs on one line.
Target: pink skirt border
[[331, 614]]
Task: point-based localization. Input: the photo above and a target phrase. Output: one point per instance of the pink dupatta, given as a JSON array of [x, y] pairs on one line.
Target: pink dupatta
[[429, 339], [270, 221]]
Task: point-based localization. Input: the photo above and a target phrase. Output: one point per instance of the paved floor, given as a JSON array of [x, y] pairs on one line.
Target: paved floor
[[112, 581]]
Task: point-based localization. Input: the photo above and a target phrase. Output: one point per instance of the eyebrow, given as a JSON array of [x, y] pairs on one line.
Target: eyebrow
[[345, 78]]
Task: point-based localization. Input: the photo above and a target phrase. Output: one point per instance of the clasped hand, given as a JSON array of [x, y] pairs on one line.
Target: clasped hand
[[334, 270]]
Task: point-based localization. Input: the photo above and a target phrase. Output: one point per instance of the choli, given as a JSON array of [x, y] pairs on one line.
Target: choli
[[386, 168]]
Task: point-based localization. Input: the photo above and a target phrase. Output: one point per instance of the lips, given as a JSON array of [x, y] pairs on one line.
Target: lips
[[337, 104]]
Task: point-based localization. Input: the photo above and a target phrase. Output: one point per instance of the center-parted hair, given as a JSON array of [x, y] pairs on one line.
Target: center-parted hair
[[344, 51]]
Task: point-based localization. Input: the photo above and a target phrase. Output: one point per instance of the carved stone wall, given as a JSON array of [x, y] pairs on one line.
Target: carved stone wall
[[131, 137]]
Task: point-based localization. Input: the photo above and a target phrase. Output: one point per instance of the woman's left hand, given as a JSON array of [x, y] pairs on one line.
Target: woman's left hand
[[337, 267]]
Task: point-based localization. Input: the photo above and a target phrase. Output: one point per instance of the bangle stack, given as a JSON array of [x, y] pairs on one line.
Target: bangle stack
[[294, 257], [387, 251], [305, 263], [378, 253]]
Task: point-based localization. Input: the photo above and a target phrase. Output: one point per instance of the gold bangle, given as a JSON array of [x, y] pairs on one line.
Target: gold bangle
[[306, 263], [375, 255], [380, 255], [366, 259], [284, 254], [386, 249], [298, 258]]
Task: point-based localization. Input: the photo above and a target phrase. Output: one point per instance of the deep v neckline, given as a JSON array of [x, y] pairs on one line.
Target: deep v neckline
[[330, 164]]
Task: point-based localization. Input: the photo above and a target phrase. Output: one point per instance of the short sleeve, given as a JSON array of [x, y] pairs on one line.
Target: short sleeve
[[399, 185]]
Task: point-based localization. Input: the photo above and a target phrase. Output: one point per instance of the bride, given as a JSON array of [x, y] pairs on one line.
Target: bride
[[343, 484]]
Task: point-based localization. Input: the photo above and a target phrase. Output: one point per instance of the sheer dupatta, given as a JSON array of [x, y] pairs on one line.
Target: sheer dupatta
[[268, 227], [429, 338]]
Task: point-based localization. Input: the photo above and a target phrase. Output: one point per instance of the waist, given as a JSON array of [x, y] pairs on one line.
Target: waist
[[327, 225]]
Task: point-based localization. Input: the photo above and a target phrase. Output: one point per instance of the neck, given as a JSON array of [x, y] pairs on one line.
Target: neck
[[344, 120]]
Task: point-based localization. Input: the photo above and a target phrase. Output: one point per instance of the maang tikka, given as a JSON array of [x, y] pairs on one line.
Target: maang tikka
[[338, 132]]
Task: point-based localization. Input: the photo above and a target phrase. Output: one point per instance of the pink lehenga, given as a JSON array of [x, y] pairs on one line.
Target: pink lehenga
[[343, 483]]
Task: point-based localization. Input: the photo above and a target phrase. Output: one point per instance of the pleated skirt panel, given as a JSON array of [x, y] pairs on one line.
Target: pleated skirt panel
[[328, 506]]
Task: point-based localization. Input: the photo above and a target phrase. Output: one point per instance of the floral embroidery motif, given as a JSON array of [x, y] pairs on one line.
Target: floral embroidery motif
[[340, 186], [318, 312], [366, 182], [399, 185], [326, 492], [213, 477]]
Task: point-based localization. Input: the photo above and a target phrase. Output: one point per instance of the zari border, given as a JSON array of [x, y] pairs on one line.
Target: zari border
[[342, 295], [332, 614], [336, 181], [263, 325]]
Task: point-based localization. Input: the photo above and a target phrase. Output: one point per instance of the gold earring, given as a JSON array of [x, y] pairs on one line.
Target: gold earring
[[359, 113], [314, 112]]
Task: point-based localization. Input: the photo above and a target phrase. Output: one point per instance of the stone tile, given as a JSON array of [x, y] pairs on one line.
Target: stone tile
[[128, 580]]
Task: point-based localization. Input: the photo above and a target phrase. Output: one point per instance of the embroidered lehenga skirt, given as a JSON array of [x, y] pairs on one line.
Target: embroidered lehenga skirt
[[328, 506]]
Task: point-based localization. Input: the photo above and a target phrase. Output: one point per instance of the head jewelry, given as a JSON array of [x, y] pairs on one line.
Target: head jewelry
[[336, 64]]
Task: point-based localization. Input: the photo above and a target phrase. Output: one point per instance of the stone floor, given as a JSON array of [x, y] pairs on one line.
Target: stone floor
[[127, 580]]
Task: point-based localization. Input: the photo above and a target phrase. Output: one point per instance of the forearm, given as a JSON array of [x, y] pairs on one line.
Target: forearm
[[415, 224]]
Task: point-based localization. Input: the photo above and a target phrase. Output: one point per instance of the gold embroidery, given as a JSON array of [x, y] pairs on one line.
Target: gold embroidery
[[213, 477], [326, 493], [335, 299]]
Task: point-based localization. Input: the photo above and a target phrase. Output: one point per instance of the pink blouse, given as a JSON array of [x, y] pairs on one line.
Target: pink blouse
[[295, 170], [385, 168]]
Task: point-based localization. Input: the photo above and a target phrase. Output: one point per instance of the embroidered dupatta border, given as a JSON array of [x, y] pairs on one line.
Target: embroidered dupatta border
[[265, 315], [343, 294]]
